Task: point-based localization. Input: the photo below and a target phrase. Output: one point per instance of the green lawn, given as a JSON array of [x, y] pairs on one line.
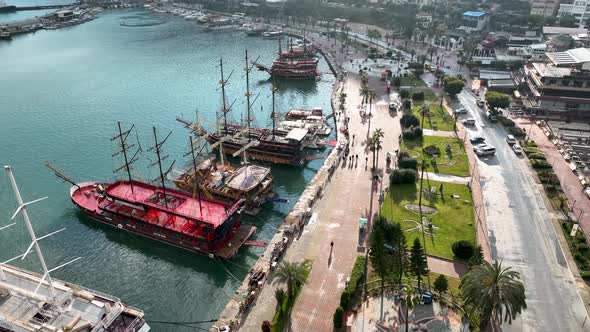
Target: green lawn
[[411, 80], [439, 118], [454, 217], [455, 163], [429, 95]]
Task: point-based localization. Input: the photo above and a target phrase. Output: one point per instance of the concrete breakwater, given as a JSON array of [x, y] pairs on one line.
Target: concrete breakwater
[[244, 298]]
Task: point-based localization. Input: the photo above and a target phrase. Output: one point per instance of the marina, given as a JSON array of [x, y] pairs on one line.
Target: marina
[[170, 85]]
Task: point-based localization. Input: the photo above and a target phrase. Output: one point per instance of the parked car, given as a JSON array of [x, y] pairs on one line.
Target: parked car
[[492, 117], [477, 139], [461, 111], [479, 102], [469, 122], [510, 139], [517, 149], [485, 150]]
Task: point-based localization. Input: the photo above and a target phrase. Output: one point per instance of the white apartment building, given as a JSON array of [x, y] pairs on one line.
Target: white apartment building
[[580, 9]]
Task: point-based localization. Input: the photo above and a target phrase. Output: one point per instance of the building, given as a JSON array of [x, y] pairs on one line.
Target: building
[[560, 88], [474, 21], [546, 8], [423, 19], [579, 36], [580, 9], [419, 3]]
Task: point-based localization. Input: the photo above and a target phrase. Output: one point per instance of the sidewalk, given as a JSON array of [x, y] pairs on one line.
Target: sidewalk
[[346, 199], [570, 184], [447, 267]]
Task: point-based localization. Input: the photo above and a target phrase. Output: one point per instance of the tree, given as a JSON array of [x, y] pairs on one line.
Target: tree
[[372, 95], [280, 296], [453, 85], [292, 274], [477, 258], [387, 253], [418, 263], [377, 136], [441, 285], [568, 21], [463, 249], [409, 299], [365, 91], [497, 100], [266, 326], [496, 292]]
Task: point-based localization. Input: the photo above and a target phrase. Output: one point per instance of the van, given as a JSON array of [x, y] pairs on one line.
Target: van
[[510, 139], [486, 150]]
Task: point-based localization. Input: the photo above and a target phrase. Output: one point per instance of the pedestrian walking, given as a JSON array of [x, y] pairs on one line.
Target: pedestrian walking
[[331, 245]]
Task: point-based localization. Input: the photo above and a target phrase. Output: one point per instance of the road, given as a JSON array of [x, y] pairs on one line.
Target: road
[[522, 236]]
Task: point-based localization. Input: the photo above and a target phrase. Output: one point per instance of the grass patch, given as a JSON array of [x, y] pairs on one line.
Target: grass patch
[[438, 119], [411, 80], [454, 217], [429, 95], [455, 163]]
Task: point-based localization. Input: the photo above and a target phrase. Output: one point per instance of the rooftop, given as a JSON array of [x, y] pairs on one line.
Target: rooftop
[[547, 70], [248, 177], [296, 134], [573, 56], [474, 14], [563, 31]]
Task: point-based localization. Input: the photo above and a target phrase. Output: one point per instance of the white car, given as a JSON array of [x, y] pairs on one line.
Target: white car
[[517, 149], [460, 111], [510, 140], [469, 122], [479, 102], [485, 150]]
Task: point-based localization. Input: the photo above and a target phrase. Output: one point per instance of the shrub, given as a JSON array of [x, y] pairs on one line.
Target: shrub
[[408, 134], [585, 274], [506, 121], [356, 275], [418, 96], [409, 121], [404, 93], [408, 163], [528, 150], [463, 249], [403, 154], [432, 150], [338, 316], [417, 132], [345, 299], [540, 164], [517, 132], [415, 65], [537, 156], [402, 176], [407, 104], [531, 144]]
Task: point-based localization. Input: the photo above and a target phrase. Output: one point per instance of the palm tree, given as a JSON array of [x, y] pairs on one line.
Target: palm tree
[[292, 274], [365, 92], [409, 299], [280, 297], [495, 291], [377, 136], [372, 96]]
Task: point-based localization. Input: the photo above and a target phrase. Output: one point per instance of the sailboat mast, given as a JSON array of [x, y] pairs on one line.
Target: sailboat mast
[[273, 109], [223, 95], [160, 165], [248, 94], [196, 175], [19, 199], [125, 156]]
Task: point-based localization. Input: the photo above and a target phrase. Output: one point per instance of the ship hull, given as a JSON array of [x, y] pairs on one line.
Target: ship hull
[[283, 154], [229, 248], [7, 9]]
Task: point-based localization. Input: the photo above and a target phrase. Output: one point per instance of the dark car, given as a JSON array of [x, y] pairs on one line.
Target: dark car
[[477, 139]]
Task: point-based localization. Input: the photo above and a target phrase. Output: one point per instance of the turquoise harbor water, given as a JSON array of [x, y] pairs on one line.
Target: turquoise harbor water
[[61, 93]]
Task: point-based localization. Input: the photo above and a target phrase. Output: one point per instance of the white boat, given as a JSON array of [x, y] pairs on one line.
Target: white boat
[[272, 34], [314, 124], [31, 301], [222, 24]]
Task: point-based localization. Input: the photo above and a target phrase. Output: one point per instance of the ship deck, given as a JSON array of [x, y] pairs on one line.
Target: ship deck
[[230, 249], [21, 310], [206, 211], [247, 178]]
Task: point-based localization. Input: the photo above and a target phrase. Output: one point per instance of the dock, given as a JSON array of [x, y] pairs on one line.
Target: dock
[[43, 7]]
